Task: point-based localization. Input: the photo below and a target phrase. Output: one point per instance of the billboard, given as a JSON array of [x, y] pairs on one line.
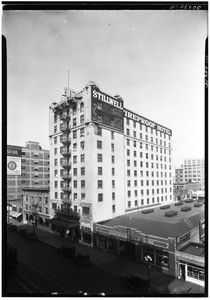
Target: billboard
[[107, 110], [14, 160]]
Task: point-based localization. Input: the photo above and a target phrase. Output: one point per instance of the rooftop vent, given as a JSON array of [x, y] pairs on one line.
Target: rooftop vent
[[165, 207], [186, 208], [198, 204], [178, 203], [171, 213], [188, 200], [148, 211]]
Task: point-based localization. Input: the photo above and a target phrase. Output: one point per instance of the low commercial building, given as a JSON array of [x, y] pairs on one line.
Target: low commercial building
[[36, 205], [171, 235]]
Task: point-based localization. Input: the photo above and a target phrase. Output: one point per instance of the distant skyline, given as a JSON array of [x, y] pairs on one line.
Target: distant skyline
[[153, 59]]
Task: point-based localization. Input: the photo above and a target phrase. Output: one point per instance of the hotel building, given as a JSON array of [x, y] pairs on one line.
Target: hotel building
[[105, 161]]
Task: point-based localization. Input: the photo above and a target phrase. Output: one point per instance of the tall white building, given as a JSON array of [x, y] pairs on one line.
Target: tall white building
[[106, 160], [194, 170]]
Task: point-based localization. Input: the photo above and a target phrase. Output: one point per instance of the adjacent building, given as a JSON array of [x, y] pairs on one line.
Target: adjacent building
[[106, 160], [26, 167], [171, 235]]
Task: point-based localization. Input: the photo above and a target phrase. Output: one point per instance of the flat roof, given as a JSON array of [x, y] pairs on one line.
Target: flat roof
[[194, 249], [157, 224]]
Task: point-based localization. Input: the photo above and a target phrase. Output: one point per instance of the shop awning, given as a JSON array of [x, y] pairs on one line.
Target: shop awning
[[64, 223], [18, 215], [12, 213]]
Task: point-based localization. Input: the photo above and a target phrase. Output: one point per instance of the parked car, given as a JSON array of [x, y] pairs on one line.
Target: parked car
[[31, 236], [12, 227], [83, 260], [139, 282], [68, 252]]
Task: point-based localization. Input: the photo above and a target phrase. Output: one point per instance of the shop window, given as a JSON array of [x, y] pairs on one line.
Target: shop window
[[162, 259], [148, 252], [86, 211], [196, 273]]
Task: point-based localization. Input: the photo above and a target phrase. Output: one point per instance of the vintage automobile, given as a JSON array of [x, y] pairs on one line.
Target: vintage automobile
[[31, 236], [82, 259], [139, 282], [22, 232], [67, 252], [12, 227]]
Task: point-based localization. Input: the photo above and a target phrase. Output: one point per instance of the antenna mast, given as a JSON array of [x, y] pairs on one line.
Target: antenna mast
[[68, 84]]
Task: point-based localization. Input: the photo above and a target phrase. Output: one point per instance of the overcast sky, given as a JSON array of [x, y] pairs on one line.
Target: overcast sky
[[153, 59]]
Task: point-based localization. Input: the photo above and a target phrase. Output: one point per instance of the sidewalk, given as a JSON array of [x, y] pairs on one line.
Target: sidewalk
[[117, 266]]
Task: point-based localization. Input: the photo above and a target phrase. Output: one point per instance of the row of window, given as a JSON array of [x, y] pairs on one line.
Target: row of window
[[74, 111], [148, 192], [147, 202], [147, 182], [147, 146], [145, 128], [152, 140]]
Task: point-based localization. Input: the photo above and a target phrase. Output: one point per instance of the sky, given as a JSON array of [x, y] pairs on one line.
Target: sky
[[153, 59]]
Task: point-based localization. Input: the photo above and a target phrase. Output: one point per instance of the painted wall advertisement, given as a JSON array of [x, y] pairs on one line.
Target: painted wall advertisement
[[14, 160], [107, 110]]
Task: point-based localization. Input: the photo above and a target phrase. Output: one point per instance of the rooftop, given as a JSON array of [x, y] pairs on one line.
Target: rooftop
[[194, 249], [157, 224]]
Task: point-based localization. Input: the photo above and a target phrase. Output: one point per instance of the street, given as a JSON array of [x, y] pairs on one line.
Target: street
[[41, 271]]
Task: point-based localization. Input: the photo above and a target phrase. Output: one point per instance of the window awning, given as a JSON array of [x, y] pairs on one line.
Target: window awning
[[18, 215]]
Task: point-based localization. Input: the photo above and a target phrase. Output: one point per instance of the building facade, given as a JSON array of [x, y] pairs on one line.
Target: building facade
[[171, 235], [36, 205], [194, 170], [26, 167], [105, 159], [178, 175]]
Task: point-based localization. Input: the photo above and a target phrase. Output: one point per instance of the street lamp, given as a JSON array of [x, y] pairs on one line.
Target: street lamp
[[148, 259]]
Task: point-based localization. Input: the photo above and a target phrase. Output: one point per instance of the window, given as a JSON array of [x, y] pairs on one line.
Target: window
[[100, 184], [55, 118], [82, 196], [128, 183], [112, 147], [56, 184], [127, 121], [135, 163], [146, 137], [141, 145], [82, 157], [82, 106], [100, 171], [99, 131], [129, 204], [134, 124], [113, 183], [55, 151], [113, 196], [56, 195], [112, 159], [55, 140], [83, 171], [82, 132], [82, 183], [129, 193], [128, 142], [128, 173], [113, 171], [55, 173], [127, 131], [128, 152], [135, 172], [82, 145], [74, 159], [140, 136], [128, 162], [134, 143], [75, 196], [100, 197], [99, 157], [112, 135], [134, 153], [134, 134], [75, 171], [55, 129], [135, 193], [141, 154], [74, 122], [113, 208], [82, 119], [74, 146], [147, 155], [75, 184], [74, 134], [99, 144]]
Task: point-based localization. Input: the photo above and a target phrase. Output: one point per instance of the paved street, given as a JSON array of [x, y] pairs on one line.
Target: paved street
[[106, 270]]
